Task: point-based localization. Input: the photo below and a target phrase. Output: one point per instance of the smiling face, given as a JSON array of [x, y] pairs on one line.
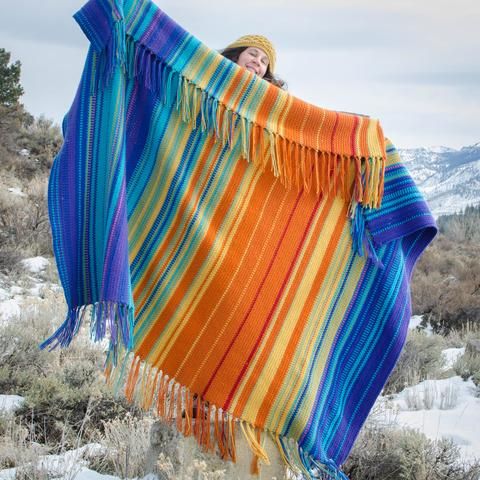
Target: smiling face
[[255, 60]]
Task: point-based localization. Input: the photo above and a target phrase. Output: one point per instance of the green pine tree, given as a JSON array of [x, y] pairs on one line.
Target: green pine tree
[[10, 88]]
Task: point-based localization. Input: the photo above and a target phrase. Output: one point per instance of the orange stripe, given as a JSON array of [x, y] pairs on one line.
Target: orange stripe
[[269, 342], [259, 302], [285, 363], [203, 250], [214, 292]]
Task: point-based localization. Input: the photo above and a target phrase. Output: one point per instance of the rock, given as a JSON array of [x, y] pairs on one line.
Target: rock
[[173, 454]]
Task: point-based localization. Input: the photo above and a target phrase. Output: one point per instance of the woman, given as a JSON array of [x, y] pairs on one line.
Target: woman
[[257, 54]]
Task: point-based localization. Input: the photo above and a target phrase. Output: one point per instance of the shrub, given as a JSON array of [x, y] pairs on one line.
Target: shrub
[[403, 454], [64, 390], [42, 139], [127, 441], [446, 281], [17, 448], [25, 230], [457, 338], [420, 359], [468, 365]]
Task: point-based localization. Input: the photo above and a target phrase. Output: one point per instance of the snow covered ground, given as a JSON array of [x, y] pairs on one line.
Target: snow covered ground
[[35, 264], [445, 408], [28, 292], [68, 466], [80, 473], [438, 408], [9, 403]]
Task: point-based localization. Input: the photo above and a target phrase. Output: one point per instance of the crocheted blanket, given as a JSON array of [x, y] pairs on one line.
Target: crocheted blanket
[[247, 254]]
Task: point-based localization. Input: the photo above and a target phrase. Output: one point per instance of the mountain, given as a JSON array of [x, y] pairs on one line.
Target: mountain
[[449, 178]]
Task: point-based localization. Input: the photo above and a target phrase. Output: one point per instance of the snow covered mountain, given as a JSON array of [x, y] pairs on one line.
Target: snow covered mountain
[[449, 178]]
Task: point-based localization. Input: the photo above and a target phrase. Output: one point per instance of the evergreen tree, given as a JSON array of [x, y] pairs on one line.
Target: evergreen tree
[[10, 88], [12, 113]]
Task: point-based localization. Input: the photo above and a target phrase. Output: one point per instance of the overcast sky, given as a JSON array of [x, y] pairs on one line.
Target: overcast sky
[[413, 64]]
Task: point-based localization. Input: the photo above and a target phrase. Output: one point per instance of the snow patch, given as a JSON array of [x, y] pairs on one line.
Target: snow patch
[[450, 356], [35, 264], [4, 295], [10, 403], [68, 465], [71, 465], [16, 290], [16, 191], [87, 474], [9, 309], [445, 408], [415, 322]]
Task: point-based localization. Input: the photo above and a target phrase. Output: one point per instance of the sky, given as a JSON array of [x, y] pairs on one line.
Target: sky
[[414, 65]]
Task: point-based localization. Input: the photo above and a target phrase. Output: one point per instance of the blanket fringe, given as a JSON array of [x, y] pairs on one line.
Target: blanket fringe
[[361, 238], [212, 427], [111, 319], [295, 165]]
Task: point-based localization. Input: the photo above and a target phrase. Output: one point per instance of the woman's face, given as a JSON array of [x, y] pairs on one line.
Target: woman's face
[[255, 60]]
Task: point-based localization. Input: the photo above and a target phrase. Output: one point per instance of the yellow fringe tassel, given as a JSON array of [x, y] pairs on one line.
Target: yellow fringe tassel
[[292, 163], [174, 403], [254, 443]]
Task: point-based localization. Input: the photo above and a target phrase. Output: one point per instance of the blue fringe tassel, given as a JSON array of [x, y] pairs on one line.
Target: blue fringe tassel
[[309, 468], [116, 319], [113, 55], [361, 238]]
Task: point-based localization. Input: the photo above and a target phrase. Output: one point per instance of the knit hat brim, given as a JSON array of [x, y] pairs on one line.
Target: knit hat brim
[[258, 41]]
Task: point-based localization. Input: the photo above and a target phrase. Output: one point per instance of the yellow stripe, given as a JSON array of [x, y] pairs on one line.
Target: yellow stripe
[[268, 332], [311, 333], [194, 296], [234, 282]]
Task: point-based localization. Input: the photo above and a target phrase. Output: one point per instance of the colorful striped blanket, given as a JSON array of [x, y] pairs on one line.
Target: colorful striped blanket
[[247, 254]]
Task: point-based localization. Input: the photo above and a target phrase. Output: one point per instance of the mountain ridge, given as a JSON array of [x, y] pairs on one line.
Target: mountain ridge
[[448, 177]]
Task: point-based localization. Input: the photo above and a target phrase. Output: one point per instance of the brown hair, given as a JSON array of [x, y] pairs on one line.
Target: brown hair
[[234, 53]]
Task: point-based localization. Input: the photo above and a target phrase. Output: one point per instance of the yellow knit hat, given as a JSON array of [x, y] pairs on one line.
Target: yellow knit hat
[[258, 41]]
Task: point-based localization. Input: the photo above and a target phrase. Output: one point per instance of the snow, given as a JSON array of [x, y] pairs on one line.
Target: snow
[[9, 403], [4, 295], [8, 474], [450, 356], [36, 290], [83, 473], [448, 178], [9, 309], [415, 322], [57, 465], [69, 465], [35, 264], [440, 408], [16, 290], [16, 191], [87, 474]]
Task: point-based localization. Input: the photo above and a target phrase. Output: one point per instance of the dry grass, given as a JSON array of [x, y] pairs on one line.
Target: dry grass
[[421, 359], [387, 453], [458, 337], [127, 441], [24, 227]]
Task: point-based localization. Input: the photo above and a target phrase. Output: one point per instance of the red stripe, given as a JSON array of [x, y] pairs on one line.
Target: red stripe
[[354, 132], [256, 297], [332, 146], [270, 315]]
